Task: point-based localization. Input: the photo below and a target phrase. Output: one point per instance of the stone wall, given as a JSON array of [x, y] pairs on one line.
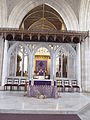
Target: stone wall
[[3, 13]]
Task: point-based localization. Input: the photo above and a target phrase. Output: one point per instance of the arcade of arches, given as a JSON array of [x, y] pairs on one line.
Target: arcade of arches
[[43, 46]]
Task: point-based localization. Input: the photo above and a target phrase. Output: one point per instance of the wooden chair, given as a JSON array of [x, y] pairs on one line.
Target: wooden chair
[[15, 83], [67, 86], [75, 86], [22, 84], [8, 84], [60, 85]]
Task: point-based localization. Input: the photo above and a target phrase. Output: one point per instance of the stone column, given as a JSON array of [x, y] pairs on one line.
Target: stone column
[[31, 62], [78, 65], [5, 59], [88, 72], [71, 66], [22, 73], [83, 82], [54, 65], [51, 67], [68, 76], [1, 57], [84, 56], [15, 64], [61, 65], [87, 65]]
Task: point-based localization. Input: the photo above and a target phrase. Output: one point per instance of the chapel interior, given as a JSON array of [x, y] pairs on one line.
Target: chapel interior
[[45, 54]]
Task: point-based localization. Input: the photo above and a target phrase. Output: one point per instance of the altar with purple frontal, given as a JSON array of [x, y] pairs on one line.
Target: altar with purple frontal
[[43, 87]]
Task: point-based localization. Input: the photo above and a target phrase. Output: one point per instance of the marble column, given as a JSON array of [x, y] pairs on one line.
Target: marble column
[[5, 59]]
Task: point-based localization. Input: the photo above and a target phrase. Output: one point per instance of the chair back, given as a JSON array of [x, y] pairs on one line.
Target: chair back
[[66, 82], [22, 81], [74, 82], [9, 81], [16, 81]]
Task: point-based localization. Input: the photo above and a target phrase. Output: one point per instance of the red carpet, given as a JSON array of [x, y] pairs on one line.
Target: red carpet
[[8, 116]]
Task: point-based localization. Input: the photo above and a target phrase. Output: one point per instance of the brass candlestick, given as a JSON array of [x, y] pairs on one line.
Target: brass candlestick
[[59, 88]]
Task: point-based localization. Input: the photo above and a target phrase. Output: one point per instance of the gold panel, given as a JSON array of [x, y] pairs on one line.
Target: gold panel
[[43, 57]]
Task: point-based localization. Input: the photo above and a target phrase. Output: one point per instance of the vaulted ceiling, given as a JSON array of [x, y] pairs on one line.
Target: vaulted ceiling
[[43, 17], [20, 8]]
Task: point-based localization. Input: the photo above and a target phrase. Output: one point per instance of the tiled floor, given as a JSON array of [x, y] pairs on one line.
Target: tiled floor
[[16, 102]]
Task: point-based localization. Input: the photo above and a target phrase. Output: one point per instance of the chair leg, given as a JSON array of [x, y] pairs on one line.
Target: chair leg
[[10, 88], [4, 87], [64, 89], [78, 89], [72, 89], [18, 88]]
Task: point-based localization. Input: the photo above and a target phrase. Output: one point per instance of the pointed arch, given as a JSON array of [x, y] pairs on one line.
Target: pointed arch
[[66, 46], [65, 61], [14, 58], [62, 7], [15, 45], [45, 46], [51, 57]]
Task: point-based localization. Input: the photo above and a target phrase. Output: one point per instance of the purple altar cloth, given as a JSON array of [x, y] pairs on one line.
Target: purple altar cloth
[[42, 82], [43, 88]]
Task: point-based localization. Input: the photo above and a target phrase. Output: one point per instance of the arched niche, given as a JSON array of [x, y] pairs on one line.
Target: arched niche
[[42, 62], [65, 62], [49, 56], [19, 60]]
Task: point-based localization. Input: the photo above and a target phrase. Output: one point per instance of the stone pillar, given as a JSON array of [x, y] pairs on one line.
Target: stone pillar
[[78, 65], [87, 66], [11, 66], [68, 67], [31, 63], [88, 72], [5, 59], [71, 72], [83, 81], [54, 65], [51, 67], [84, 57], [15, 64], [1, 57]]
